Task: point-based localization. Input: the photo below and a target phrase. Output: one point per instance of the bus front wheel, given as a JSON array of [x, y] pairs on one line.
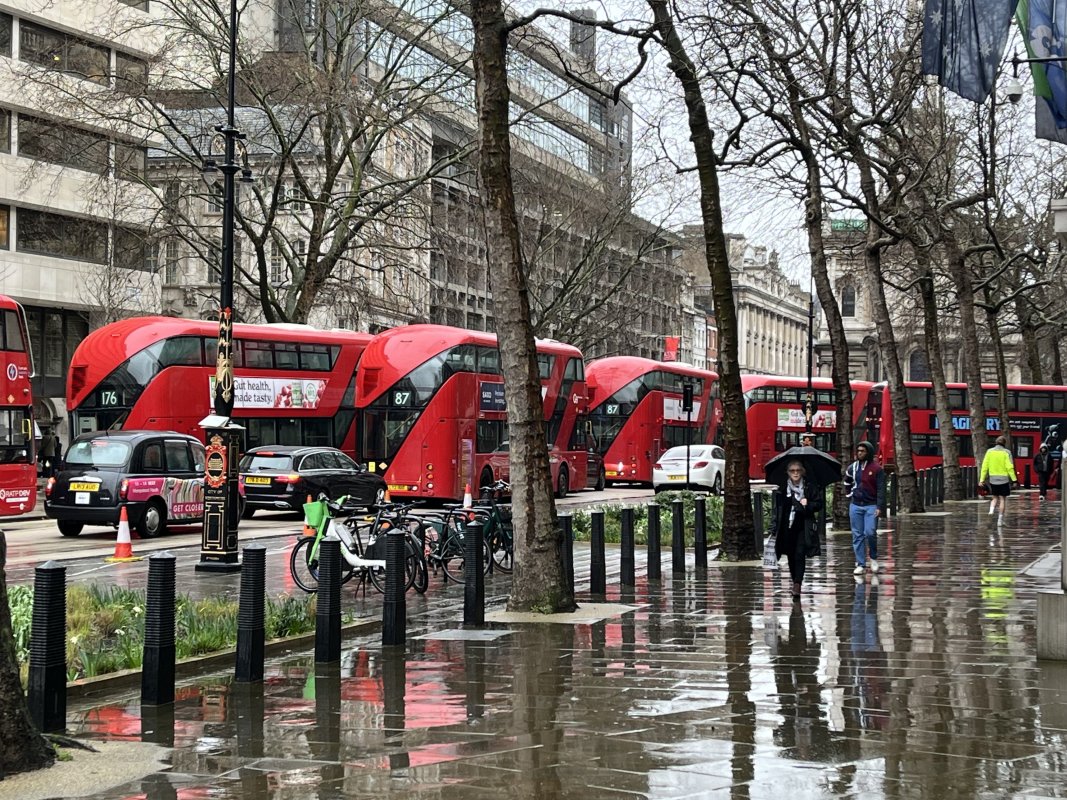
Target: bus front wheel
[[562, 485]]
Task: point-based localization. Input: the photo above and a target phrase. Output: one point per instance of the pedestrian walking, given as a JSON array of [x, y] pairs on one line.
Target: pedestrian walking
[[48, 455], [998, 470], [797, 526], [1043, 468], [865, 482]]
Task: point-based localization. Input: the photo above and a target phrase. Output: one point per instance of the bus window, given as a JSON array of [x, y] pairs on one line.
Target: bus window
[[13, 332]]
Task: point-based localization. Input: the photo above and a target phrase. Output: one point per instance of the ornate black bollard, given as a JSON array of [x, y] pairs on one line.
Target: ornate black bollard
[[473, 576], [597, 563], [251, 615], [48, 649], [677, 538], [652, 546], [700, 531], [157, 669], [626, 558], [394, 608], [565, 522], [328, 608]]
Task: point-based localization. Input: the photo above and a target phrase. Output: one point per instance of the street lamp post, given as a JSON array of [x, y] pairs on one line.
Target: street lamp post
[[218, 550]]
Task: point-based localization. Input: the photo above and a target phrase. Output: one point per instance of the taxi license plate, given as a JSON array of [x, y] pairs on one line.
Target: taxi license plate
[[257, 480], [84, 487], [676, 477]]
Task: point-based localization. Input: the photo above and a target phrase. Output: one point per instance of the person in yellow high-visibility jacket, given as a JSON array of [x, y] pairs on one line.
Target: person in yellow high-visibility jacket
[[999, 470]]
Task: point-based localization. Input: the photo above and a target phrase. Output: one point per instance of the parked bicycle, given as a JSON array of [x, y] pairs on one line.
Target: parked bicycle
[[362, 546], [497, 525]]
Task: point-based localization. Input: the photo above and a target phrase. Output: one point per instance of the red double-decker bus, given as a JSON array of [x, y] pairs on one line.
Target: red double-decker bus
[[774, 410], [1036, 414], [293, 384], [433, 417], [18, 457], [635, 412]]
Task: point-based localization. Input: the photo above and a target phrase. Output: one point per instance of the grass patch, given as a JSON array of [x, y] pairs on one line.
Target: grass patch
[[105, 626]]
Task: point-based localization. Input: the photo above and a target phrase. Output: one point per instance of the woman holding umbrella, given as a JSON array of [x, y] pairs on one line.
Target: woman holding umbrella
[[797, 525]]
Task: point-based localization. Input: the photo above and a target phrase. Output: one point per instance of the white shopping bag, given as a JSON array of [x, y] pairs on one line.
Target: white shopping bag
[[770, 560]]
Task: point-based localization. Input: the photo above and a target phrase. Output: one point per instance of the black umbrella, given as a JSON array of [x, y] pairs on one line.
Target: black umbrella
[[821, 468]]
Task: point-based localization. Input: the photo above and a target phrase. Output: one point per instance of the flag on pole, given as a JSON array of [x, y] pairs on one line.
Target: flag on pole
[[963, 42], [1043, 23]]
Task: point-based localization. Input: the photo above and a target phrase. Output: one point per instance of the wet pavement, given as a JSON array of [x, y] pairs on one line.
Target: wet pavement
[[920, 683]]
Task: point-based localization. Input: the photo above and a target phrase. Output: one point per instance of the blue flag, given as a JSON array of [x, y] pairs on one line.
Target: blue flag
[[963, 41]]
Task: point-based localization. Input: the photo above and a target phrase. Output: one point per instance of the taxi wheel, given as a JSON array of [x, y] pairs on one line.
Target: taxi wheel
[[154, 520], [68, 528]]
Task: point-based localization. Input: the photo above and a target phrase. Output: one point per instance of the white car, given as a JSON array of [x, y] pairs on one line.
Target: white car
[[707, 464]]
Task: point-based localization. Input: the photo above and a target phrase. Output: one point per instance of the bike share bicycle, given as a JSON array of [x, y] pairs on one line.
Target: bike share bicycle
[[368, 561]]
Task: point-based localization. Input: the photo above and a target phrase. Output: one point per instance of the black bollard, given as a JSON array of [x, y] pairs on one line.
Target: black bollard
[[565, 523], [652, 545], [473, 576], [328, 608], [597, 564], [48, 649], [157, 668], [626, 558], [677, 538], [757, 520], [700, 533], [251, 615], [394, 608], [941, 485]]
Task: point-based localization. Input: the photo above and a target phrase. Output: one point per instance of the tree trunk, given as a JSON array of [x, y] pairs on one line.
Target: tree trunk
[[1031, 342], [1002, 371], [538, 581], [1057, 361], [972, 367], [950, 450], [22, 748], [737, 533]]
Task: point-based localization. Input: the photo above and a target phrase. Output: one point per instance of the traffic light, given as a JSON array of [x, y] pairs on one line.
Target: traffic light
[[687, 397]]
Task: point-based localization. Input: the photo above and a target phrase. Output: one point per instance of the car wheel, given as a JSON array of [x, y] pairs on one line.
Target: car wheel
[[247, 511], [563, 484], [601, 481], [379, 496], [68, 528], [486, 478], [658, 489], [717, 486], [154, 520]]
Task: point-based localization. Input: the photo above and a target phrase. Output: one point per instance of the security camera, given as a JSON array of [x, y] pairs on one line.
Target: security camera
[[1013, 89]]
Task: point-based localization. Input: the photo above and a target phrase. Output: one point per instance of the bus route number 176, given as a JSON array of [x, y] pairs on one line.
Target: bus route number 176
[[109, 397]]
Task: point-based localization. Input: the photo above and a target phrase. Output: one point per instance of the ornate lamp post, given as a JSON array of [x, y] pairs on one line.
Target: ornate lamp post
[[218, 549]]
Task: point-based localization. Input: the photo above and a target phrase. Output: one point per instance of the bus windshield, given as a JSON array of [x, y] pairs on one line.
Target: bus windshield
[[14, 443]]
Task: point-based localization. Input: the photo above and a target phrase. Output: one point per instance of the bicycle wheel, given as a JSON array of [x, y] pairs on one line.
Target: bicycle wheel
[[305, 570], [500, 544], [412, 561], [453, 556]]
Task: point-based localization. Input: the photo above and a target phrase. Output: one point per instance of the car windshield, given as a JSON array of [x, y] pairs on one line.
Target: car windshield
[[678, 453], [266, 462], [98, 453]]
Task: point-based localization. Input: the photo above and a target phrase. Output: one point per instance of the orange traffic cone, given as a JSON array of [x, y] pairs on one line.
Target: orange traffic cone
[[308, 530], [123, 548], [468, 501], [388, 496]]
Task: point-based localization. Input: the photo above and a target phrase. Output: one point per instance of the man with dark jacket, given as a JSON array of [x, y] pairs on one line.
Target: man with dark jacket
[[1043, 468], [865, 482]]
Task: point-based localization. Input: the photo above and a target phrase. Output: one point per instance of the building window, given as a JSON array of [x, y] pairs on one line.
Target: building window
[[293, 199], [214, 199], [5, 35], [5, 131], [54, 50], [171, 267], [64, 237], [130, 249], [129, 160], [918, 370], [5, 227], [848, 301], [131, 74], [46, 140], [277, 265], [140, 5]]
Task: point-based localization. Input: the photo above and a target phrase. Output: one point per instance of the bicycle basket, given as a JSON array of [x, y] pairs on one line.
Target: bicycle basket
[[315, 513]]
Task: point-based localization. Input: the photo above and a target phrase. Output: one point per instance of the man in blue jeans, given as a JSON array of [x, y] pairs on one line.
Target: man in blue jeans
[[865, 482]]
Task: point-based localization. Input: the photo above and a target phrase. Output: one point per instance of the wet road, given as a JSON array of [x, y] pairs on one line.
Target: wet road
[[922, 683]]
